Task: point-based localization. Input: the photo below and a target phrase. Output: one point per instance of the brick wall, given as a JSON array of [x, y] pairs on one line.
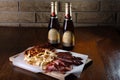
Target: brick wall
[[37, 12]]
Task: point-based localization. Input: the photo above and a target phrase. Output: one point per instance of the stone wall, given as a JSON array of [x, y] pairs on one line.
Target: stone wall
[[36, 13]]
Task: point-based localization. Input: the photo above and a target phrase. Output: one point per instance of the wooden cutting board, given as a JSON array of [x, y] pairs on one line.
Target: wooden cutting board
[[18, 60]]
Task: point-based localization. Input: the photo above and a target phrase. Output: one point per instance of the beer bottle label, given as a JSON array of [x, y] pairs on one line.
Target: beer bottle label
[[68, 39], [53, 36]]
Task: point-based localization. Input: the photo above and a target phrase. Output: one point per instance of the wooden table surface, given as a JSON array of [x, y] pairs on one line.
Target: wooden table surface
[[101, 44]]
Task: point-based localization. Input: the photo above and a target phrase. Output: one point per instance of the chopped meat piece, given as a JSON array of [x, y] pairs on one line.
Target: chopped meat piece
[[59, 66], [63, 62], [64, 55], [67, 57]]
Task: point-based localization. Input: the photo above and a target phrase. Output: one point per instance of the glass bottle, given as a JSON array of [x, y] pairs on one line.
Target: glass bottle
[[54, 26], [68, 38]]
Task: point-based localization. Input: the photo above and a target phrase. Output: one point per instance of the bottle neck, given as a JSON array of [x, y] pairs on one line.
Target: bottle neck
[[54, 9], [68, 11]]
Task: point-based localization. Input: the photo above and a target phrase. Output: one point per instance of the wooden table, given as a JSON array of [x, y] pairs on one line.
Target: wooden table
[[102, 44]]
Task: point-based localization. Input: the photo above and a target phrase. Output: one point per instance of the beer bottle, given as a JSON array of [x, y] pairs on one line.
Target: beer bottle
[[54, 26], [68, 39]]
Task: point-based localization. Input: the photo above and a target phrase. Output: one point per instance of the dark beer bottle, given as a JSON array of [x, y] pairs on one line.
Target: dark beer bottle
[[68, 39], [54, 26]]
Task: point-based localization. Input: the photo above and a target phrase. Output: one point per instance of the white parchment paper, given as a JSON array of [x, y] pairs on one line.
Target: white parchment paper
[[19, 62]]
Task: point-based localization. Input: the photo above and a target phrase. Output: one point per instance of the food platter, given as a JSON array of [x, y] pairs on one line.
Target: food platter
[[18, 60]]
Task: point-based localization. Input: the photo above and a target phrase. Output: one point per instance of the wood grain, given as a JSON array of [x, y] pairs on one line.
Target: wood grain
[[102, 44]]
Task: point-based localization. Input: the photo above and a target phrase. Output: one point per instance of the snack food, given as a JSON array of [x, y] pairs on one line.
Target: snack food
[[50, 60], [64, 62], [39, 56]]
